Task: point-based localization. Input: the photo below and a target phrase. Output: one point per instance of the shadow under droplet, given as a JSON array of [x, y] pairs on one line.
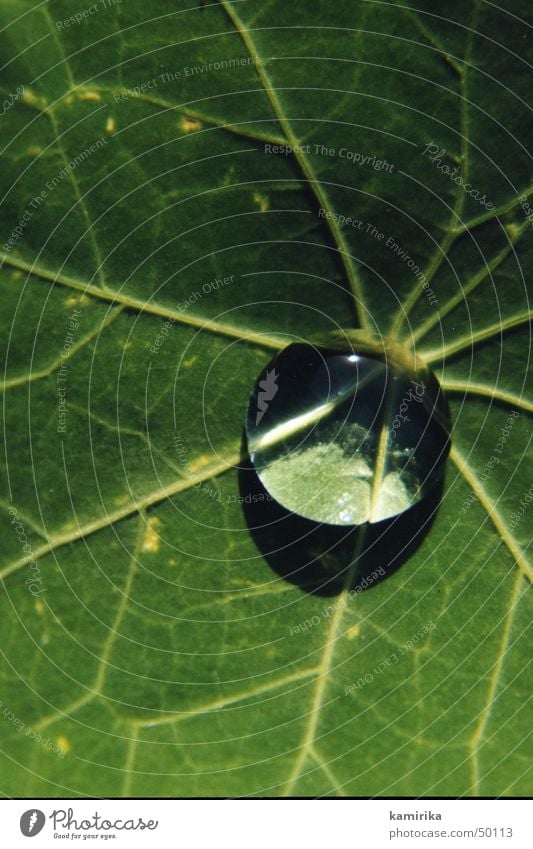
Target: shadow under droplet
[[316, 557]]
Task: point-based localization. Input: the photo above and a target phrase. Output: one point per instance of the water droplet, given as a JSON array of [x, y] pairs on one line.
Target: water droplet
[[348, 428]]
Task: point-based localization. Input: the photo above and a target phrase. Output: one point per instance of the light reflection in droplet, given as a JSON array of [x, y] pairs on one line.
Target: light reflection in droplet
[[347, 438]]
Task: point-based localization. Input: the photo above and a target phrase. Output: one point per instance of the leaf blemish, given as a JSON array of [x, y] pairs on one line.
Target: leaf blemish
[[30, 97], [262, 201], [63, 743], [200, 463], [189, 125], [76, 300], [151, 539], [89, 95]]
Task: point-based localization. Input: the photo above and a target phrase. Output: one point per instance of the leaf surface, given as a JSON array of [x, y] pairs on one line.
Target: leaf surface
[[178, 178]]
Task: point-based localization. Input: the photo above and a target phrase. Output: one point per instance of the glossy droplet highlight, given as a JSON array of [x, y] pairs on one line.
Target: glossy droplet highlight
[[348, 429]]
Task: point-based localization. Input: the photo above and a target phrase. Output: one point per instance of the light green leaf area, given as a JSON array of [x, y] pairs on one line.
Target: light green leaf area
[[165, 252]]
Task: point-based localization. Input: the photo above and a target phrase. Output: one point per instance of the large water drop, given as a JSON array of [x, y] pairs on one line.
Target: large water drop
[[347, 429]]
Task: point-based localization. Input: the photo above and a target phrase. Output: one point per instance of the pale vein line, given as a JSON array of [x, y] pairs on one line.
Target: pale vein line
[[335, 783], [90, 228], [67, 711], [170, 719], [469, 286], [122, 430], [494, 213], [121, 609], [427, 276], [230, 598], [24, 379], [475, 742], [430, 38], [312, 751], [442, 250], [323, 672], [466, 342], [262, 339], [129, 764], [435, 261], [487, 392], [96, 689], [520, 754], [381, 457], [26, 519], [227, 701], [492, 512], [64, 60], [307, 746], [234, 129], [109, 519], [304, 163]]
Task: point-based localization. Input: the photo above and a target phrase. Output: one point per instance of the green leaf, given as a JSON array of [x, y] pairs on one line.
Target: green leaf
[[157, 247]]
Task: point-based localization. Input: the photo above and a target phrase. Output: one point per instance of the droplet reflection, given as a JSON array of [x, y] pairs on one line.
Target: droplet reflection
[[347, 429]]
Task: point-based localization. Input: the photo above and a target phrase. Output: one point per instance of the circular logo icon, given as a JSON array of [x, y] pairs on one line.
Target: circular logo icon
[[32, 822]]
